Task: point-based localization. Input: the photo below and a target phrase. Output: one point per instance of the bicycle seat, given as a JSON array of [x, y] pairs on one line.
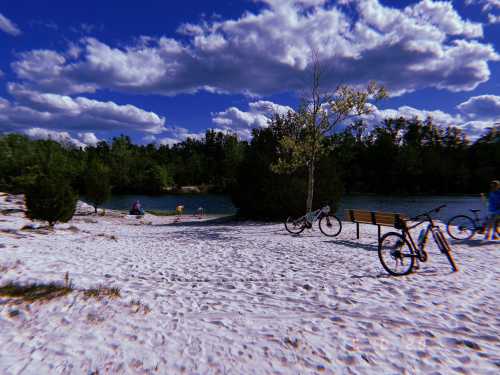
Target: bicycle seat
[[475, 210]]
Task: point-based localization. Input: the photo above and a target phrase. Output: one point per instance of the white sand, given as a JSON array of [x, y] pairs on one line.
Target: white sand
[[241, 298]]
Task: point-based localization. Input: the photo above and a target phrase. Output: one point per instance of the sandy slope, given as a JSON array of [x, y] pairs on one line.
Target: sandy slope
[[242, 298]]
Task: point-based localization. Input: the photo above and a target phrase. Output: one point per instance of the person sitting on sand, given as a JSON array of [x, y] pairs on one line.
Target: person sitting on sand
[[493, 207], [136, 209]]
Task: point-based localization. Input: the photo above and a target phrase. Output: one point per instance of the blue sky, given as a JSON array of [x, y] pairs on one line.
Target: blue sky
[[160, 71]]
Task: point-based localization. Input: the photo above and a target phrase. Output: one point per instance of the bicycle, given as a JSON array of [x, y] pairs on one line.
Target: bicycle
[[397, 249], [329, 224], [463, 227]]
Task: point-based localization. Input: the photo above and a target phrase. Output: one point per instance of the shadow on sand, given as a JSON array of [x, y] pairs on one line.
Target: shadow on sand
[[355, 245]]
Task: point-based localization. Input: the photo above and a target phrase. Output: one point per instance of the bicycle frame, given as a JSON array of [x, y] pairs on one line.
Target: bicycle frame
[[419, 250], [316, 215]]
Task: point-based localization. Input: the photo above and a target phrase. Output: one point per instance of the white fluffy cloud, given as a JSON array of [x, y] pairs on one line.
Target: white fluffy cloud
[[476, 115], [55, 111], [241, 122], [175, 135], [427, 44], [488, 6], [483, 107], [61, 137], [8, 26]]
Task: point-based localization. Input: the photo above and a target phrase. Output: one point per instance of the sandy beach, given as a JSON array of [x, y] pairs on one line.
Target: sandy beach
[[198, 297]]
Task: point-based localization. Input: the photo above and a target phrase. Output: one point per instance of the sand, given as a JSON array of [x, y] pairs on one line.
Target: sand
[[239, 298]]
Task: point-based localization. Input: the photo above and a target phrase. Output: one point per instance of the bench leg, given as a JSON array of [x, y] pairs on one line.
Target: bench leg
[[378, 233], [357, 231]]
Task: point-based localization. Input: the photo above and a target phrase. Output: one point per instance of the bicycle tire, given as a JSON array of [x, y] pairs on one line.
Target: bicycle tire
[[330, 221], [394, 243], [464, 224], [290, 225], [445, 248]]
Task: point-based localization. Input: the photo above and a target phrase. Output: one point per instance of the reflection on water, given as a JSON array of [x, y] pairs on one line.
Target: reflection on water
[[221, 204], [211, 203]]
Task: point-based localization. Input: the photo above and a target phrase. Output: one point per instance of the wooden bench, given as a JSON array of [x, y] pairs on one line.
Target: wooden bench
[[386, 219]]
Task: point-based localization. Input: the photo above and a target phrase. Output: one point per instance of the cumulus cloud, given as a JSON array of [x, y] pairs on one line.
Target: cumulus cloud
[[89, 138], [176, 135], [493, 19], [488, 6], [61, 137], [483, 107], [8, 26], [439, 118], [427, 44], [241, 122], [64, 112], [476, 115]]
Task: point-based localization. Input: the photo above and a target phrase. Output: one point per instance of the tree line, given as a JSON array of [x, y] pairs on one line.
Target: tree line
[[399, 156]]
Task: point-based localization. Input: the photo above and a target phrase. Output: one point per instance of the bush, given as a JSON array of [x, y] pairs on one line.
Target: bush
[[50, 198], [97, 184]]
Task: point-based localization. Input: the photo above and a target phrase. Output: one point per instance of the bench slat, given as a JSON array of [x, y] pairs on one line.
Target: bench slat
[[377, 218]]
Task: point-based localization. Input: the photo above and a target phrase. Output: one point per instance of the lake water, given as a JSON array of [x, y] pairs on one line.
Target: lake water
[[221, 204]]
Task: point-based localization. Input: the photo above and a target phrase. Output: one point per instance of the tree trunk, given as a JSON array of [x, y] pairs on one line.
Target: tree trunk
[[310, 187]]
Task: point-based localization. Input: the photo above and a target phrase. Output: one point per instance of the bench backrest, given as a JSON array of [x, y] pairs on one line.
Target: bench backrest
[[387, 219]]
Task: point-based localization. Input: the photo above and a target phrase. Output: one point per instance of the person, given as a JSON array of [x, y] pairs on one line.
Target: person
[[136, 209], [493, 207]]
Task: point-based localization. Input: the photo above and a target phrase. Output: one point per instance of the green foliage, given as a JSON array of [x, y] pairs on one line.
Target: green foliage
[[261, 193], [50, 198], [97, 187]]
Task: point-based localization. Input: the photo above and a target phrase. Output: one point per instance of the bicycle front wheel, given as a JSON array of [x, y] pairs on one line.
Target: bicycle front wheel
[[330, 225], [461, 227], [445, 248], [396, 254], [295, 226]]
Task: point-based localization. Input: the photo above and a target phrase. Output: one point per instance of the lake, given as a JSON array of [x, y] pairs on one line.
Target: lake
[[221, 204]]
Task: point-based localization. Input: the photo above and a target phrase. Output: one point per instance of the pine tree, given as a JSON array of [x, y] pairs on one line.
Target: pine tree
[[50, 198]]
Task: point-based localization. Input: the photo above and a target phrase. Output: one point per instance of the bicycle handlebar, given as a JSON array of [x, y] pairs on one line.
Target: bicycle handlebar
[[428, 213]]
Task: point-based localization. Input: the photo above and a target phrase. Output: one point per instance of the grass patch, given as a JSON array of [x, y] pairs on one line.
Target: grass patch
[[102, 292], [138, 306], [35, 292]]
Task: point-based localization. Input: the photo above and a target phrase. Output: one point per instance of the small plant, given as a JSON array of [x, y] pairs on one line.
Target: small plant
[[138, 306], [35, 292], [50, 198], [101, 292]]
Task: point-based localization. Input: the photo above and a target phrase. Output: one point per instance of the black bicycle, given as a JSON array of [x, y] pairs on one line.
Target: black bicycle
[[329, 224], [398, 252], [463, 227]]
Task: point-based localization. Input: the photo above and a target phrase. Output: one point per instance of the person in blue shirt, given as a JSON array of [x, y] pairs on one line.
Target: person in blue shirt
[[493, 206]]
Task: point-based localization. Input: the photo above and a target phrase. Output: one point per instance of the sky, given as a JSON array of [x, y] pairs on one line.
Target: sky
[[161, 71]]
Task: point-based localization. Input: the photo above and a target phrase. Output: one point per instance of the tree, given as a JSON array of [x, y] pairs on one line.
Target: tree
[[317, 117], [50, 198], [97, 183]]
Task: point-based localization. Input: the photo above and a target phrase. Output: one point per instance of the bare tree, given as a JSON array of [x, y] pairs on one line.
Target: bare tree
[[319, 113]]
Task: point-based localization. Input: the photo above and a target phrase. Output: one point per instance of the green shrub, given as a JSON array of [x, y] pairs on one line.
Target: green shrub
[[50, 198], [97, 184]]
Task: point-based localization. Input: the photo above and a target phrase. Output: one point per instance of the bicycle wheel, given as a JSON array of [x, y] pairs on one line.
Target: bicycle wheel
[[396, 254], [445, 248], [330, 225], [461, 227], [295, 226]]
